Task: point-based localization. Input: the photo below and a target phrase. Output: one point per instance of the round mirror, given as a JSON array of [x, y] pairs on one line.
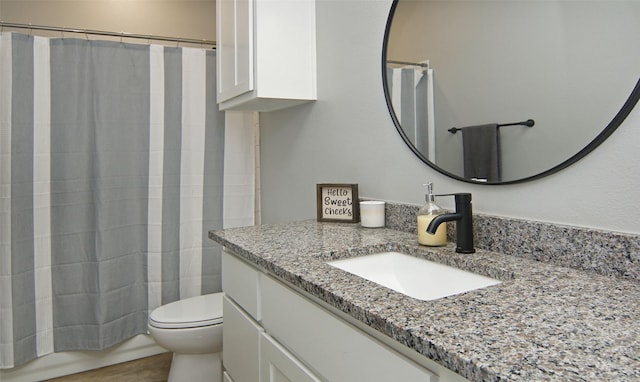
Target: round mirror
[[506, 91]]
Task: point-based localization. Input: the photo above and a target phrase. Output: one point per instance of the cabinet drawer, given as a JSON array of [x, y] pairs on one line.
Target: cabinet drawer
[[338, 351], [240, 343], [241, 282]]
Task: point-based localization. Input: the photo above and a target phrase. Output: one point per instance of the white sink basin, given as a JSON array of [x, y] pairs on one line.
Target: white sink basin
[[412, 276]]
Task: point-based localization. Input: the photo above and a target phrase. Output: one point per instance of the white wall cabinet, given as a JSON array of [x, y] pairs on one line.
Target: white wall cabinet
[[266, 54], [298, 339]]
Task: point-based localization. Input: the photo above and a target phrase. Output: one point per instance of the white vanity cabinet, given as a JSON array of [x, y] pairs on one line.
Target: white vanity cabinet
[[266, 54], [291, 336], [250, 354]]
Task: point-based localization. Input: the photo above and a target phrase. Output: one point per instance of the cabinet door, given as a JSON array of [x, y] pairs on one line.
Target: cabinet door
[[278, 365], [240, 343], [234, 47]]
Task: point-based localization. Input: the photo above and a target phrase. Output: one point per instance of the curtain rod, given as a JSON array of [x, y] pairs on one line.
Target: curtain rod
[[106, 33], [422, 64]]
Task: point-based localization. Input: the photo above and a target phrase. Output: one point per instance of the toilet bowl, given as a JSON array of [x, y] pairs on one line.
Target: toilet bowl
[[192, 330]]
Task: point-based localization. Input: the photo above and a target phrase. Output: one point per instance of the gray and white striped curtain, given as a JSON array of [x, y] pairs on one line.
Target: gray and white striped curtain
[[111, 172], [411, 91]]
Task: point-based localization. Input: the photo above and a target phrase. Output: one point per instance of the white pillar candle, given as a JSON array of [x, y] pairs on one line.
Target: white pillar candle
[[372, 214]]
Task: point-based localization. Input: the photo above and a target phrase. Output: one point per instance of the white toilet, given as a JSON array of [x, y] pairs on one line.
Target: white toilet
[[192, 330]]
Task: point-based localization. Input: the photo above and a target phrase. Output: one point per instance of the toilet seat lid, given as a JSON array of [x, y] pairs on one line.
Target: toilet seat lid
[[189, 313]]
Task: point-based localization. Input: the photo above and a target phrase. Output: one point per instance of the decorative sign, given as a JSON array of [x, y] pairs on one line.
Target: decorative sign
[[338, 203]]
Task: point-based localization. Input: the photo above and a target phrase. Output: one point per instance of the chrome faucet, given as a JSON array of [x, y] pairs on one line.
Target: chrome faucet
[[464, 222]]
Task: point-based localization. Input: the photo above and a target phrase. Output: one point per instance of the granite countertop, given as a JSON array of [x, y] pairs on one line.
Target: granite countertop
[[543, 322]]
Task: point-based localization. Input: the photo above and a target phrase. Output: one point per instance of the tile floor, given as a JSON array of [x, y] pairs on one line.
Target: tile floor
[[150, 369]]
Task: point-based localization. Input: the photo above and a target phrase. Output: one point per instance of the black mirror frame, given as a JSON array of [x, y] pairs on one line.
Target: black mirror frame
[[604, 134]]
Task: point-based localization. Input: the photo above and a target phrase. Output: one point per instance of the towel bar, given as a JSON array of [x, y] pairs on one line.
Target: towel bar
[[528, 123]]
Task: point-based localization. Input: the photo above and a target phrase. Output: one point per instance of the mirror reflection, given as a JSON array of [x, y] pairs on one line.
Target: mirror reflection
[[486, 68]]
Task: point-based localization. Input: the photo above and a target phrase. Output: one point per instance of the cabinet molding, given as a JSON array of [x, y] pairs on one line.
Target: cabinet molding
[[278, 365]]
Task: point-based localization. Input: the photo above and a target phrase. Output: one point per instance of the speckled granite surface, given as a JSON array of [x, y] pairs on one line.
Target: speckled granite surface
[[608, 253], [543, 322]]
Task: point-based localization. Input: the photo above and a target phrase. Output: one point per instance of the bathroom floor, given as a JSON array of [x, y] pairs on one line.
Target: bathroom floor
[[150, 369]]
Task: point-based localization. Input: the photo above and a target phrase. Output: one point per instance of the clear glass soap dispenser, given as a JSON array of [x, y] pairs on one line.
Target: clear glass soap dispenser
[[425, 214]]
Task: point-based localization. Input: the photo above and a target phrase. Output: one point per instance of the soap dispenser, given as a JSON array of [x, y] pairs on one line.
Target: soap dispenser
[[425, 214]]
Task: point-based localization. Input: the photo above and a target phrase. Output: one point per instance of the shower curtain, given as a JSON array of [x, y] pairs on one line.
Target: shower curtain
[[411, 91], [111, 174]]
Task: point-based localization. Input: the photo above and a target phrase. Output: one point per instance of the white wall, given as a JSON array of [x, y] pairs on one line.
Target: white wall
[[348, 136]]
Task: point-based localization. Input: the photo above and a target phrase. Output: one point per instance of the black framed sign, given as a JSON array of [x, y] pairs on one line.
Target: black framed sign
[[338, 203]]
